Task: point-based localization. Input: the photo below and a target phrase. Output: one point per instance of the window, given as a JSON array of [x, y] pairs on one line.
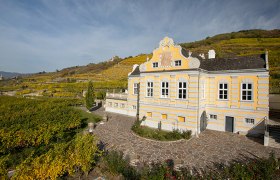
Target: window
[[181, 119], [247, 92], [110, 104], [116, 105], [122, 105], [182, 90], [155, 64], [135, 88], [149, 114], [249, 121], [178, 63], [133, 107], [213, 116], [223, 91], [163, 116], [150, 91], [164, 89]]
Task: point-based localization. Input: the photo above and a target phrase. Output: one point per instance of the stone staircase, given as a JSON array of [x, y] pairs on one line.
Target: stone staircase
[[274, 135], [273, 128]]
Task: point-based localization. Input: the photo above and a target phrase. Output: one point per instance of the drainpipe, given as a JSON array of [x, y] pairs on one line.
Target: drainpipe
[[266, 60], [198, 99], [138, 102]]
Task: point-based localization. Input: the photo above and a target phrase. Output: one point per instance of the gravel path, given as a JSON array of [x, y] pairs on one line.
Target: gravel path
[[211, 147]]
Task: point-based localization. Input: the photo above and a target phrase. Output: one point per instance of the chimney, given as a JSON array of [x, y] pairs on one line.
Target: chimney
[[190, 53], [266, 60], [211, 54], [202, 56]]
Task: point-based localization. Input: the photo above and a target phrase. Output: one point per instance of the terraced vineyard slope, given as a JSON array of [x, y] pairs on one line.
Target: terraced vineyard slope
[[244, 43], [70, 82]]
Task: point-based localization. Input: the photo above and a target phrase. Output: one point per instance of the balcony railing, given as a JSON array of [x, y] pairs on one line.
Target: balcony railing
[[122, 96]]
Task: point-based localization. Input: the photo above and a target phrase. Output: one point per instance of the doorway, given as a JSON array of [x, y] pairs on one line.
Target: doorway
[[203, 121], [229, 124]]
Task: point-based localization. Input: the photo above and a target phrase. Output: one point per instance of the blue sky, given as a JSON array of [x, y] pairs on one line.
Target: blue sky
[[45, 35]]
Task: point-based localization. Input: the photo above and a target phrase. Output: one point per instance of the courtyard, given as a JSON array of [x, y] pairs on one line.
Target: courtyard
[[210, 148]]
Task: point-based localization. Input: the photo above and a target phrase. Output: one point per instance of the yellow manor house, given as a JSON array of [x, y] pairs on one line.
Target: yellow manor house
[[176, 89]]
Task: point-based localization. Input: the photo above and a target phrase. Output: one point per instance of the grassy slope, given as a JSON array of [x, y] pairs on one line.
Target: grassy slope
[[114, 74]]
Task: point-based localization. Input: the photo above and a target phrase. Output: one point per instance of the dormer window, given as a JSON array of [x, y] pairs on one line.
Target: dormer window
[[155, 64], [178, 63]]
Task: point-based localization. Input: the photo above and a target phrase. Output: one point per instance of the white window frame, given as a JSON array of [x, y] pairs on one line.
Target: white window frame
[[183, 89], [164, 88], [155, 64], [116, 105], [150, 89], [250, 121], [135, 88], [223, 89], [178, 63], [134, 107], [122, 105], [110, 104], [247, 90]]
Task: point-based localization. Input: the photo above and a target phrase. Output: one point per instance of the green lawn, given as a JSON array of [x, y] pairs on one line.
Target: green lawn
[[88, 117]]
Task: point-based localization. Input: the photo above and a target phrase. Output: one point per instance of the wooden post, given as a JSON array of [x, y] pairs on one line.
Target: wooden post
[[90, 127]]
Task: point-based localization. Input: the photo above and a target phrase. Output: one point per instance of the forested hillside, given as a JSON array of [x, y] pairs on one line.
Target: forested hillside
[[70, 82]]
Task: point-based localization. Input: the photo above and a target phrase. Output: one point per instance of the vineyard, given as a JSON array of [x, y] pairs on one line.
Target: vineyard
[[244, 43], [41, 138], [70, 82]]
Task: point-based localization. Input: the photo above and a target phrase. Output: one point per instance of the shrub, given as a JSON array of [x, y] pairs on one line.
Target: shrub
[[117, 164], [3, 166], [100, 95], [156, 171], [186, 134], [90, 96], [161, 135], [254, 169], [175, 134]]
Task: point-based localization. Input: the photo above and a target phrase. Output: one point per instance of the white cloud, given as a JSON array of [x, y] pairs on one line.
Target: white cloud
[[48, 35]]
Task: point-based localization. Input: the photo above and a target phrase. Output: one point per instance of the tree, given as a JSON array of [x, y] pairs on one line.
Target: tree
[[89, 96]]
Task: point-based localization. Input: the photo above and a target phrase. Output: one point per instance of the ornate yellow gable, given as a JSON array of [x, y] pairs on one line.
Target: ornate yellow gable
[[168, 56]]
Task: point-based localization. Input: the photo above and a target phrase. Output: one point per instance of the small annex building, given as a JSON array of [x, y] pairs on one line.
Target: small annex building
[[176, 89]]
